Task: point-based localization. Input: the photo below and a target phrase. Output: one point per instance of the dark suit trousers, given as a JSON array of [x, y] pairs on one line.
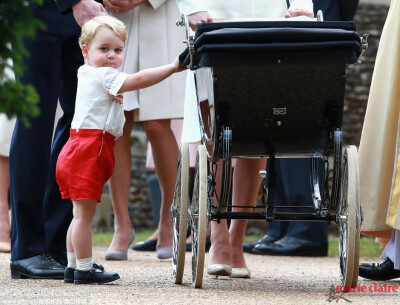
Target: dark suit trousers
[[293, 188], [40, 218]]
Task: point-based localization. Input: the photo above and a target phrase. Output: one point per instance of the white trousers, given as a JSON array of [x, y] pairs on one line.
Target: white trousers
[[392, 249]]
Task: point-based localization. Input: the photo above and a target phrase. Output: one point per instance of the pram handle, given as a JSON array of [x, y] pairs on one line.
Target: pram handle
[[190, 37]]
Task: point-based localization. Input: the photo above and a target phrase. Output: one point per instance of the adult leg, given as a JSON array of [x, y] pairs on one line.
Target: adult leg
[[165, 154], [246, 184], [4, 217], [57, 212], [227, 244], [220, 250], [293, 188], [30, 150], [120, 183]]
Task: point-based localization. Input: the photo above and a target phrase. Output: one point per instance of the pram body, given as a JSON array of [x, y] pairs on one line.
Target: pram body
[[274, 89]]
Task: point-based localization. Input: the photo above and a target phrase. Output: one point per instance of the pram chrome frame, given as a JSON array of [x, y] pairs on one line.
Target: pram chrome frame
[[339, 202]]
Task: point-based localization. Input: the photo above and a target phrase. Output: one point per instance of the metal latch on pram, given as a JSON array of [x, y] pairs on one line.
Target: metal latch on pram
[[189, 38]]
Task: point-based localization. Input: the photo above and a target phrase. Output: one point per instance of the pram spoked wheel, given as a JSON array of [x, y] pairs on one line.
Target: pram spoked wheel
[[179, 212], [198, 217], [349, 219]]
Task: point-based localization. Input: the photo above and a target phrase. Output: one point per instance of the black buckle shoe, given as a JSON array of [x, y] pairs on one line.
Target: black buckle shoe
[[96, 275], [69, 275], [379, 272]]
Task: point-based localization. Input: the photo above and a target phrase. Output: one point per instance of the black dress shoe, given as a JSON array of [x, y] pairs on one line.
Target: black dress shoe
[[265, 240], [379, 272], [208, 245], [146, 245], [41, 266], [69, 275], [292, 246], [96, 275], [60, 257]]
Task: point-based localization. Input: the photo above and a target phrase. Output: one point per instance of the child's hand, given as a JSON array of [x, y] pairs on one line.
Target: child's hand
[[298, 12], [300, 8], [177, 66]]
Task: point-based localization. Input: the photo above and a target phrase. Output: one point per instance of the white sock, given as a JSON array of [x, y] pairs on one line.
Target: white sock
[[84, 264], [71, 260]]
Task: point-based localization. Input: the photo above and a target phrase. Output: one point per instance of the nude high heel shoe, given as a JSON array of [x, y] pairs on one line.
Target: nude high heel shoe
[[219, 270], [115, 255], [164, 252], [244, 273]]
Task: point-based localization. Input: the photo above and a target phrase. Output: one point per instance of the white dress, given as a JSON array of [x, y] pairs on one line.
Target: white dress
[[6, 130], [6, 125]]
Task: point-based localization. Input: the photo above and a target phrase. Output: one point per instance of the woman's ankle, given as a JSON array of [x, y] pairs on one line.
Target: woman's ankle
[[5, 230], [219, 254], [237, 260], [165, 235]]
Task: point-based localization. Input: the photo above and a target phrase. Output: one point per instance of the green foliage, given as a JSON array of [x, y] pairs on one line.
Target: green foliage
[[104, 239], [368, 247], [17, 23]]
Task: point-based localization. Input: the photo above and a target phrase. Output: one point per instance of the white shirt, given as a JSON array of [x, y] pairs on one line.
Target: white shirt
[[98, 103]]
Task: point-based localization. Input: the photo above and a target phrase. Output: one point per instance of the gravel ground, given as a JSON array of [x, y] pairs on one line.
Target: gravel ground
[[147, 280]]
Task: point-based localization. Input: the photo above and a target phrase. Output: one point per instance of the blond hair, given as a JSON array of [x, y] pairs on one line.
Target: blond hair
[[91, 27]]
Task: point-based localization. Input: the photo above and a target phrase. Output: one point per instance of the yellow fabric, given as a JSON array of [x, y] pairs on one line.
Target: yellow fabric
[[378, 153], [393, 208]]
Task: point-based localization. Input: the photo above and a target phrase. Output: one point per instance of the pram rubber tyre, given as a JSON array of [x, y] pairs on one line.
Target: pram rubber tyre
[[349, 219], [179, 213], [198, 215]]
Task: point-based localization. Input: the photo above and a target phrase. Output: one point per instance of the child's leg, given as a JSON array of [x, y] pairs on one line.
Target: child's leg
[[81, 231], [70, 249], [81, 244], [70, 269]]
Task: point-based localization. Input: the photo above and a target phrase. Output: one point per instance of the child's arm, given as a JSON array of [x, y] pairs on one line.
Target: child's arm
[[150, 77]]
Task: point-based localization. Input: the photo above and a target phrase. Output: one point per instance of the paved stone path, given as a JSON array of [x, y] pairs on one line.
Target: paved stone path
[[147, 280]]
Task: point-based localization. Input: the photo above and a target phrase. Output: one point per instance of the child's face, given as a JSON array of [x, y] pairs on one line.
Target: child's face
[[105, 50]]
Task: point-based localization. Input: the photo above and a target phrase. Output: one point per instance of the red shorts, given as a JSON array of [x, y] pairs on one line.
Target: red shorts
[[85, 164]]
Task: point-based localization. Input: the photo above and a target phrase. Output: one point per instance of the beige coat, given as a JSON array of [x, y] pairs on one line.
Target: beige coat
[[379, 146], [155, 40]]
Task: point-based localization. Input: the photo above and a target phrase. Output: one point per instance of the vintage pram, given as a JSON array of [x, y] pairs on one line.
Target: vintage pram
[[276, 90]]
